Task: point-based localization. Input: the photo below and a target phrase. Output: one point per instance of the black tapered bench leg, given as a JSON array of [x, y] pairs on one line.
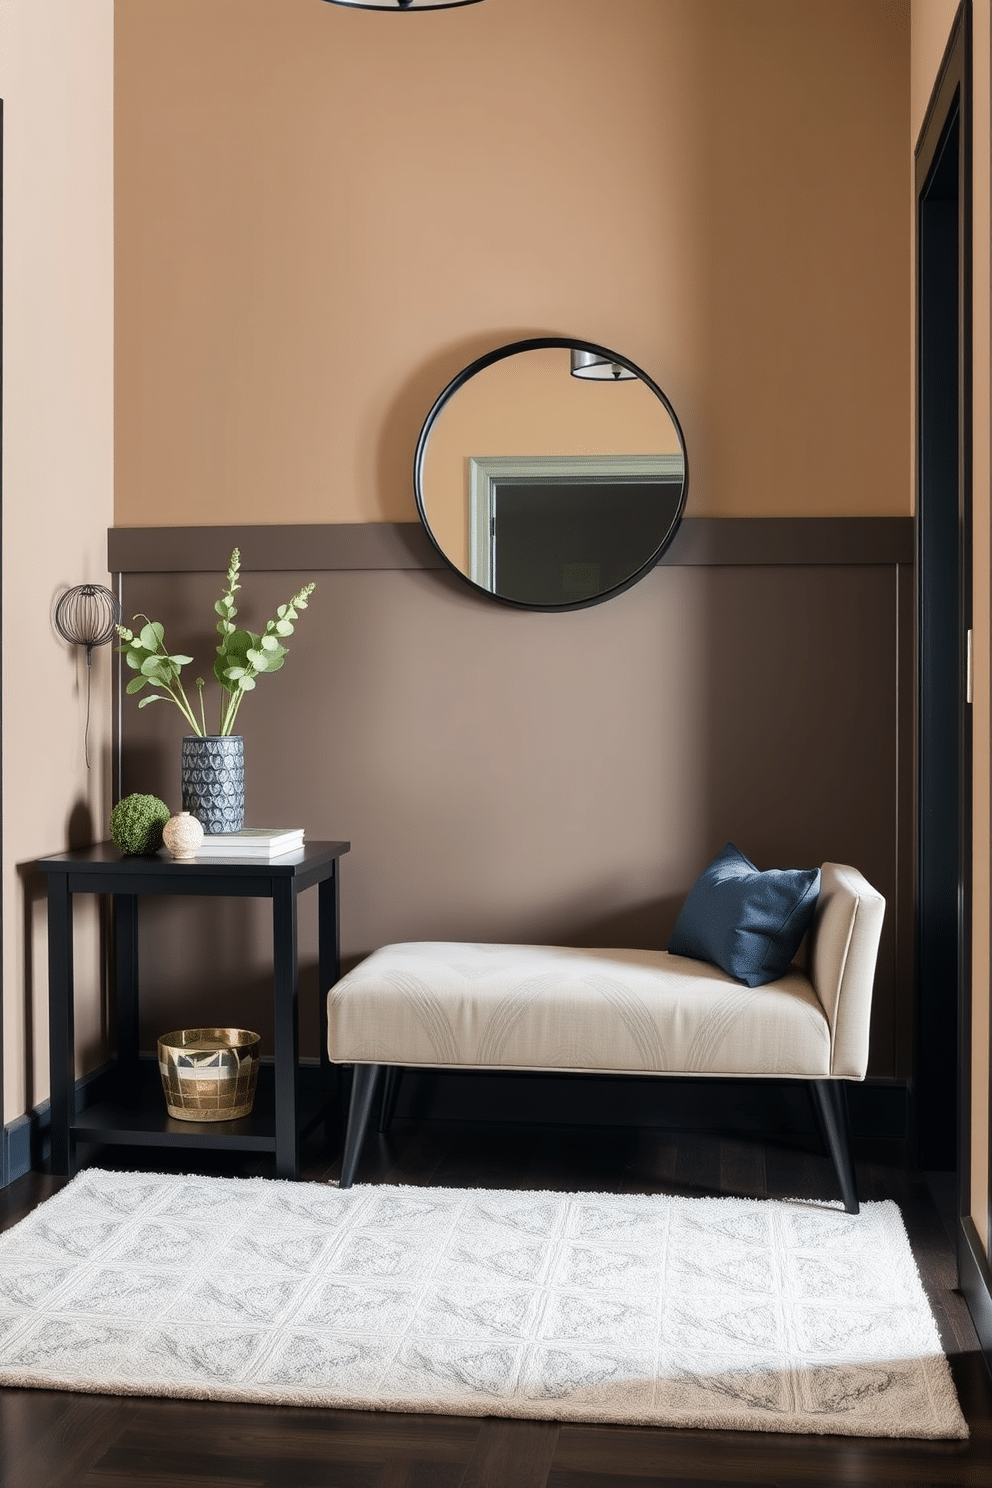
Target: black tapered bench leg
[[830, 1104], [390, 1095], [363, 1085]]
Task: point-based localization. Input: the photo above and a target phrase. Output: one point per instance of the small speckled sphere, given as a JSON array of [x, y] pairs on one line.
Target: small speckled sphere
[[136, 824], [182, 835]]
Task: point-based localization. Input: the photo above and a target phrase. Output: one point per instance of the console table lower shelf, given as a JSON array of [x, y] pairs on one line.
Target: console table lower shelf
[[144, 1121]]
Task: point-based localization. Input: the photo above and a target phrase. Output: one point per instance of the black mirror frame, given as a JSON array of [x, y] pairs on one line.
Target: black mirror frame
[[500, 353]]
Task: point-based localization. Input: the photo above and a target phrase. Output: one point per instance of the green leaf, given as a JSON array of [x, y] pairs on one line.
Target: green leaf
[[178, 661], [269, 643], [283, 628], [152, 635], [258, 659], [158, 668], [156, 697], [136, 684], [133, 659], [239, 642], [246, 684]]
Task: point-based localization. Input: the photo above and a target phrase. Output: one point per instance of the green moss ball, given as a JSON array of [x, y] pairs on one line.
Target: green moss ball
[[136, 823]]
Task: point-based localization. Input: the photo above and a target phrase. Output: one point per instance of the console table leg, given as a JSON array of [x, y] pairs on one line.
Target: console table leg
[[287, 1055], [328, 972], [61, 1025], [126, 980]]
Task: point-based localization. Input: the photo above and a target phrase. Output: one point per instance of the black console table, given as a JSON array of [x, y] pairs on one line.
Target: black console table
[[127, 1120]]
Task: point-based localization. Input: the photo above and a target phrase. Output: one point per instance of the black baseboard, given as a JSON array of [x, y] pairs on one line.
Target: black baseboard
[[878, 1109], [975, 1279], [26, 1140]]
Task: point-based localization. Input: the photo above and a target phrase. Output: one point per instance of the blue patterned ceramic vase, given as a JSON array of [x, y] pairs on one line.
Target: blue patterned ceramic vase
[[213, 781]]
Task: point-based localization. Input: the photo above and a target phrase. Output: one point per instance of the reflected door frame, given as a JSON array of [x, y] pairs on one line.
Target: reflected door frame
[[486, 471]]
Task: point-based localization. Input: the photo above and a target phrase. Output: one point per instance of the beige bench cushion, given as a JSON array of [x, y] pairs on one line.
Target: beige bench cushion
[[452, 1004]]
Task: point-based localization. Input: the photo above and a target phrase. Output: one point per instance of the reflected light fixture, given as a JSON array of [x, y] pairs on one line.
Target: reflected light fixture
[[403, 4], [599, 369]]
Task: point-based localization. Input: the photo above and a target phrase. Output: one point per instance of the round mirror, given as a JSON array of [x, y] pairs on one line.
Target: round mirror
[[551, 473]]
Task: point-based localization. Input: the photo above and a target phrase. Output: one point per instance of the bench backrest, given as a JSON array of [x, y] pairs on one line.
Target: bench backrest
[[843, 950]]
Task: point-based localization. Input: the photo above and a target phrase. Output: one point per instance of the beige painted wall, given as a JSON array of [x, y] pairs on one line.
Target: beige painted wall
[[323, 214], [56, 80]]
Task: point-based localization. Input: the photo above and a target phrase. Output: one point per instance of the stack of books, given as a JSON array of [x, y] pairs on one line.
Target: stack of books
[[251, 842]]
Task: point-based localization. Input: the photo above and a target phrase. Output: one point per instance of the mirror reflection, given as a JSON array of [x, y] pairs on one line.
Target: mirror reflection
[[551, 473]]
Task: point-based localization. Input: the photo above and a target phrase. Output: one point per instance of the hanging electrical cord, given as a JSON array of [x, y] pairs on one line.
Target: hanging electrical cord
[[88, 615]]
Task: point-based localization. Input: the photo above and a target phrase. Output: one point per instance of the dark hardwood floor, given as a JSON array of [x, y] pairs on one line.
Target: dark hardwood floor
[[50, 1439]]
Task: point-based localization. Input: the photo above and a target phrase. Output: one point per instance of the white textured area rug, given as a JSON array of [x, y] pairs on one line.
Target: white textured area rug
[[753, 1315]]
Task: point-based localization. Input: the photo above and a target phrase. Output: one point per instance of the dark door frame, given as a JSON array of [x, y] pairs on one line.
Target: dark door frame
[[943, 563]]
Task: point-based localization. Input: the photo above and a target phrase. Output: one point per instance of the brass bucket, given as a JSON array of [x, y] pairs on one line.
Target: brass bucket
[[209, 1074]]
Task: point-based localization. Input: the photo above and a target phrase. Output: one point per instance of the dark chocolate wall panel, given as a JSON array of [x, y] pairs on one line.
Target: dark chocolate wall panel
[[511, 776], [361, 545], [382, 545]]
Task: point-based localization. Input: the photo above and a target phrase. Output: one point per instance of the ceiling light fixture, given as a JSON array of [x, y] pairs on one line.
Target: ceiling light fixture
[[598, 368], [403, 4]]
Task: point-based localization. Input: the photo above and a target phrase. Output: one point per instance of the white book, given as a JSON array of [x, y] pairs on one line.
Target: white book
[[252, 842]]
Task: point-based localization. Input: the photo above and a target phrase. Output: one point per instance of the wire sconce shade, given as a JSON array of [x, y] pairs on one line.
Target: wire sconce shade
[[88, 615]]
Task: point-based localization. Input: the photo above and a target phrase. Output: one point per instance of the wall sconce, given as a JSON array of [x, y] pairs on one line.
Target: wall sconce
[[403, 4], [599, 369], [88, 615]]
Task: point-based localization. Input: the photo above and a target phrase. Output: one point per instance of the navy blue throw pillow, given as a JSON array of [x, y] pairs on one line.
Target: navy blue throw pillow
[[748, 923]]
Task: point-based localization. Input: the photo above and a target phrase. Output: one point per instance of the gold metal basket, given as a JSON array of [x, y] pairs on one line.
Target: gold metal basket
[[209, 1074]]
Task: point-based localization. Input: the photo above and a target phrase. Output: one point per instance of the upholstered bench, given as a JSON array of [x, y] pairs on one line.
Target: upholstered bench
[[452, 1005]]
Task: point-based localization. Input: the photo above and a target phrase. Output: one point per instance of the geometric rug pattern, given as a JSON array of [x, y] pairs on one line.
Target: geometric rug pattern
[[763, 1315]]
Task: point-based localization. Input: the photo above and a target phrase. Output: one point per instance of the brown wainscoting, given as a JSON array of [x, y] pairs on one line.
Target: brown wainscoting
[[514, 776], [384, 545], [327, 547]]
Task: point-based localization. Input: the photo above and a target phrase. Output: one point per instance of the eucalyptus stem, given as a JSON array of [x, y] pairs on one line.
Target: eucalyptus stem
[[241, 656], [231, 712], [182, 703]]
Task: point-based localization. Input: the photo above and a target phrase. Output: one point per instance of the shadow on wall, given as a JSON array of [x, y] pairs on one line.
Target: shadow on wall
[[81, 831]]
